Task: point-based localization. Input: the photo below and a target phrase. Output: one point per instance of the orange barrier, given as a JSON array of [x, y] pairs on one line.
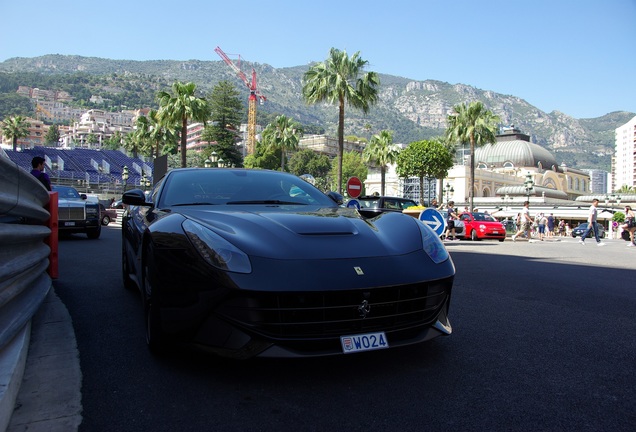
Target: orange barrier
[[52, 240]]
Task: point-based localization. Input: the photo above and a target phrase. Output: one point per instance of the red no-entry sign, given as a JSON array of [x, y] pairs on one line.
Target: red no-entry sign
[[354, 187]]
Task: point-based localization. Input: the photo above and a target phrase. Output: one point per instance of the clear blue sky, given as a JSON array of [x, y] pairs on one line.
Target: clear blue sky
[[574, 56]]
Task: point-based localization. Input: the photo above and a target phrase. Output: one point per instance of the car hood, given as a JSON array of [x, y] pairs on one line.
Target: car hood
[[313, 234], [70, 202]]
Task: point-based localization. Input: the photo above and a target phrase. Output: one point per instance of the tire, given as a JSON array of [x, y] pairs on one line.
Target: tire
[[105, 220], [155, 337], [94, 233], [129, 284], [625, 235], [473, 235]]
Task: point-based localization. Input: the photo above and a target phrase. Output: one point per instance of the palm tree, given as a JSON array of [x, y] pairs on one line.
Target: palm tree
[[474, 124], [381, 152], [339, 80], [284, 133], [14, 128], [180, 107]]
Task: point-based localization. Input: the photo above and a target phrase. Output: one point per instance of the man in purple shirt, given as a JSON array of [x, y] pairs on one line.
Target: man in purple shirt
[[38, 171]]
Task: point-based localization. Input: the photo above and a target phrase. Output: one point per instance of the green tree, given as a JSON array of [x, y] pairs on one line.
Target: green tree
[[341, 79], [14, 128], [472, 123], [264, 157], [285, 134], [164, 136], [52, 136], [424, 159], [307, 161], [352, 166], [179, 108], [381, 152], [91, 139], [114, 142], [226, 115]]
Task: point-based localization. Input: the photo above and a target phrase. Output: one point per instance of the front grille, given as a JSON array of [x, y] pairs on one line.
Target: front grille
[[335, 313], [71, 213]]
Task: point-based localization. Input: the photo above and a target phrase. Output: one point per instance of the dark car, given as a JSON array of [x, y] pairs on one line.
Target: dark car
[[76, 214], [579, 230], [262, 263], [480, 226], [107, 215], [374, 205]]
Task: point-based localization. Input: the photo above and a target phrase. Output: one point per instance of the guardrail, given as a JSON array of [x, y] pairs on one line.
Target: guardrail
[[25, 270]]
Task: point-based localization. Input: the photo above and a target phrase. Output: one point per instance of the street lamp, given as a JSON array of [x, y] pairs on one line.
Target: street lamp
[[124, 176], [220, 163], [448, 190], [207, 163], [529, 183]]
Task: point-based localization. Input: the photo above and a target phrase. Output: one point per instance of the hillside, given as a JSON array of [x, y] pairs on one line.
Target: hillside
[[414, 110]]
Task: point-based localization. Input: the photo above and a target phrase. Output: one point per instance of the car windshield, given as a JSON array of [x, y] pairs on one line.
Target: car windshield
[[215, 186], [369, 203], [66, 192], [483, 217]]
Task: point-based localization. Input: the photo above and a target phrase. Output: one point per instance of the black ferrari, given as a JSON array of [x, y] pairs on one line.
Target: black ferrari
[[261, 263]]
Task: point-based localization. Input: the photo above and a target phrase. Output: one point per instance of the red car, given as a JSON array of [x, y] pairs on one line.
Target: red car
[[106, 215], [482, 226]]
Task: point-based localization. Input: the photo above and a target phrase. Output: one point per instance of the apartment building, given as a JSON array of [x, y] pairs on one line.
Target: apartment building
[[624, 167]]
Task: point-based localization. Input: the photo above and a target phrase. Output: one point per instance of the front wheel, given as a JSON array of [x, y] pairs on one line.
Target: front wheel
[[105, 221], [473, 235], [94, 233], [155, 337]]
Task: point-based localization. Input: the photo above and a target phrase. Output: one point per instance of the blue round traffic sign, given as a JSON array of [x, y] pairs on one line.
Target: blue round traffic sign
[[434, 220], [353, 204]]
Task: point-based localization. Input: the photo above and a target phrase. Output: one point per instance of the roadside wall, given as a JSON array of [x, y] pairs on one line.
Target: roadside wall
[[24, 281]]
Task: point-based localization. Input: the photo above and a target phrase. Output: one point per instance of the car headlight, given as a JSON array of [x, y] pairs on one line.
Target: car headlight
[[432, 245], [215, 250]]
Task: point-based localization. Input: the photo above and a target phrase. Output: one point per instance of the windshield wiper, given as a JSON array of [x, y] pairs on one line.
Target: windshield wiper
[[193, 204], [279, 202]]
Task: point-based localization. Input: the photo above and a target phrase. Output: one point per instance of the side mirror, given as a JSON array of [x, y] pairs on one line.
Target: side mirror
[[84, 197], [336, 197], [135, 197]]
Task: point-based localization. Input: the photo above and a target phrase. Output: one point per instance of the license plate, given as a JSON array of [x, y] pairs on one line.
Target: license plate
[[495, 232], [363, 342], [69, 223]]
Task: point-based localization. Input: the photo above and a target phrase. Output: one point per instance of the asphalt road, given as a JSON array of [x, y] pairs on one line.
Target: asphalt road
[[543, 341]]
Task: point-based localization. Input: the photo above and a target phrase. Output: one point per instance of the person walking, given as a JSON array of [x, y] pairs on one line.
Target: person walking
[[38, 171], [591, 224], [525, 222], [450, 221], [630, 225], [550, 225], [541, 223]]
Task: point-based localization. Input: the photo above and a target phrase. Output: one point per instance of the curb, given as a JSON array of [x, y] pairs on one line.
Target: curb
[[50, 398]]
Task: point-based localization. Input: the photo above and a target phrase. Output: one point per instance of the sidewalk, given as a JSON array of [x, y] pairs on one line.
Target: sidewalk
[[50, 395]]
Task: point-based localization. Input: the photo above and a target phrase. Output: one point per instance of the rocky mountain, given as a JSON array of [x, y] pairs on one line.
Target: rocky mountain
[[413, 109]]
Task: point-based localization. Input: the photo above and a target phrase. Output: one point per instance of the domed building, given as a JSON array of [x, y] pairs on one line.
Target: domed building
[[513, 169]]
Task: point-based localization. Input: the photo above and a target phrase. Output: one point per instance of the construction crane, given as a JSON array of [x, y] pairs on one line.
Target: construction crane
[[254, 96], [40, 109]]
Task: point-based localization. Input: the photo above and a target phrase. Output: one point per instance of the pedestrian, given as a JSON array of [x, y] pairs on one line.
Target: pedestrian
[[630, 224], [451, 216], [542, 221], [38, 171], [561, 228], [591, 224], [551, 225], [525, 222], [434, 203]]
